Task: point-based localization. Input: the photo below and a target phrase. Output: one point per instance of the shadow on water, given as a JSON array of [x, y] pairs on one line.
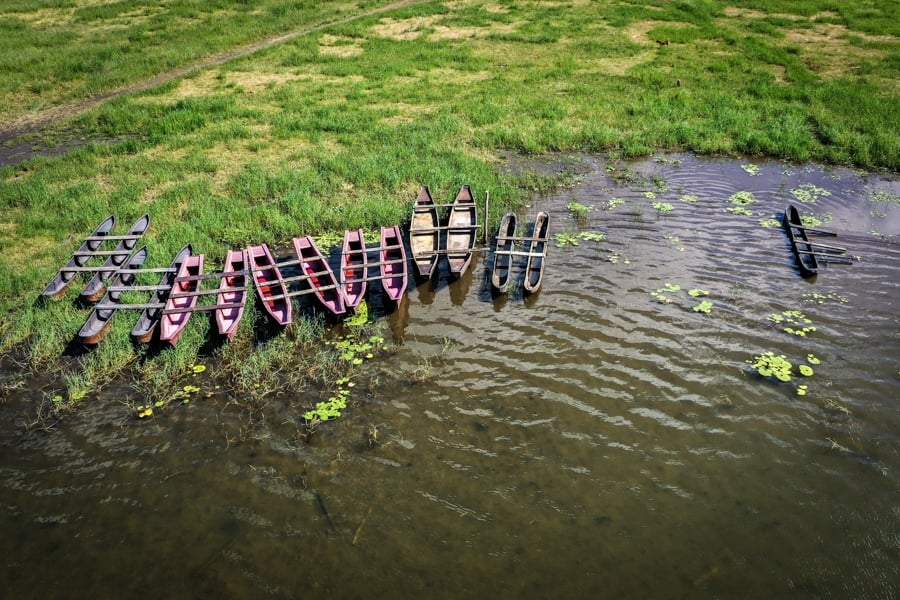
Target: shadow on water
[[601, 438]]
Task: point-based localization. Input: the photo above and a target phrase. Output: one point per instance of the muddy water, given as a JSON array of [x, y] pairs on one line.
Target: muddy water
[[589, 441]]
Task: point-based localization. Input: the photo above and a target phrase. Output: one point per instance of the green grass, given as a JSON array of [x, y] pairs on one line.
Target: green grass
[[338, 127]]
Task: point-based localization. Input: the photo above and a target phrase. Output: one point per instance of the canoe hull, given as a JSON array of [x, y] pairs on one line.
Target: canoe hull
[[799, 242], [425, 234], [98, 322], [461, 231], [178, 307], [502, 252], [232, 297], [320, 277], [393, 263], [95, 287], [354, 272], [534, 267], [269, 284], [143, 330]]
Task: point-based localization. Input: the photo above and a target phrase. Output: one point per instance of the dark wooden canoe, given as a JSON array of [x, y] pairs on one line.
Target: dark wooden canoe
[[269, 283], [98, 321], [320, 277], [142, 332], [534, 267], [800, 244], [425, 234], [95, 287], [181, 300], [232, 296], [354, 273], [393, 263], [462, 228], [91, 244], [503, 252]]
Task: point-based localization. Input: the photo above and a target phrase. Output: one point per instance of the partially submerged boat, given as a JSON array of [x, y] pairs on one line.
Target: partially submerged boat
[[269, 283], [142, 332], [503, 252], [425, 234], [88, 249], [319, 275], [97, 324], [182, 299], [807, 252], [461, 231], [537, 251], [232, 297], [392, 261], [95, 287], [354, 273]]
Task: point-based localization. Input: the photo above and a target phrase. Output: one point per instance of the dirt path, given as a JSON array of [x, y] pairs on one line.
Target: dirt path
[[36, 121]]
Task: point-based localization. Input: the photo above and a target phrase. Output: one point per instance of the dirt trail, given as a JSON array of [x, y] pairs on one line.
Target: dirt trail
[[36, 121]]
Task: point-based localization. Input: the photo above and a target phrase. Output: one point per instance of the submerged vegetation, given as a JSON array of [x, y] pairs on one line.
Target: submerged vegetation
[[338, 125]]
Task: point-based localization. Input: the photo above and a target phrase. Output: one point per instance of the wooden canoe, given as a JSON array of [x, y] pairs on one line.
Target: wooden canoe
[[232, 297], [94, 288], [425, 234], [462, 228], [98, 321], [393, 263], [181, 300], [354, 273], [503, 249], [534, 267], [57, 287], [320, 277], [142, 332], [800, 244], [269, 283]]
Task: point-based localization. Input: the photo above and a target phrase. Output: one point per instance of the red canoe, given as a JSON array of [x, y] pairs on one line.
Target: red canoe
[[269, 283], [232, 295], [393, 263], [319, 275], [354, 273], [182, 299]]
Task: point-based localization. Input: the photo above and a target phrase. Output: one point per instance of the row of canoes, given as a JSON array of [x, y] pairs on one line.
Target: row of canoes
[[175, 297], [809, 253], [431, 237]]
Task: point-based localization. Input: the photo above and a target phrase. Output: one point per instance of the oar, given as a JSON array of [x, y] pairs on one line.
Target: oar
[[832, 257]]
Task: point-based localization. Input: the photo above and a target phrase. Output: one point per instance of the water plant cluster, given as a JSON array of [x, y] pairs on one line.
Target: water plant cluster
[[777, 366], [663, 294], [739, 203], [568, 238], [794, 321], [809, 193]]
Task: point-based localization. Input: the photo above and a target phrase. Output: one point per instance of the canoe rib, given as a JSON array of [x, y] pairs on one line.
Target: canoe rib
[[424, 233], [57, 287], [232, 297], [143, 330], [393, 263], [269, 283], [534, 268], [461, 231], [98, 321], [319, 275], [503, 252], [117, 257]]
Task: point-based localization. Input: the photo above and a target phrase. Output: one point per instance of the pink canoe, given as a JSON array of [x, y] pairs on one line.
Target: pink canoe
[[319, 275], [393, 263], [181, 300], [354, 272], [269, 283], [232, 295]]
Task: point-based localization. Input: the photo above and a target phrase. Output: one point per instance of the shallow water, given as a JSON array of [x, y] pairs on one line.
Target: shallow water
[[588, 441]]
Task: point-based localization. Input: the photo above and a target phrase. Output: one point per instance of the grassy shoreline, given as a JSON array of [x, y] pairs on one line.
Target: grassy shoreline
[[337, 128]]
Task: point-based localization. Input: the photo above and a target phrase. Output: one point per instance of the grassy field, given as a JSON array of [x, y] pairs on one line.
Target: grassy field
[[339, 125]]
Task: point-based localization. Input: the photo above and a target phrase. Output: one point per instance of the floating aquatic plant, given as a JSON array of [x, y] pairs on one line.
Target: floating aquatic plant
[[663, 206], [613, 203], [791, 318], [650, 195], [673, 239], [801, 390], [884, 196], [768, 364], [751, 168], [743, 198], [591, 236], [196, 369], [809, 193], [688, 198], [696, 293], [818, 298], [811, 359], [805, 370], [360, 316], [740, 210], [578, 210], [770, 223], [704, 307], [565, 239]]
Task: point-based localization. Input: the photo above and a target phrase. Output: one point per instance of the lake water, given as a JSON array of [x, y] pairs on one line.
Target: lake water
[[592, 440]]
